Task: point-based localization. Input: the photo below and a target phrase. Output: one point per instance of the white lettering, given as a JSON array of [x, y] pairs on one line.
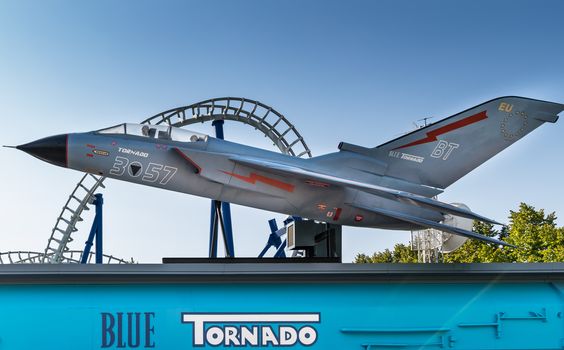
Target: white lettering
[[412, 158], [268, 337], [135, 153], [263, 334], [307, 335], [214, 336], [288, 335], [231, 336], [439, 149], [248, 336], [443, 149]]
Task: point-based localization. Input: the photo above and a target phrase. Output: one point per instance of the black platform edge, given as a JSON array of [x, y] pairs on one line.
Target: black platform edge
[[278, 273], [179, 260]]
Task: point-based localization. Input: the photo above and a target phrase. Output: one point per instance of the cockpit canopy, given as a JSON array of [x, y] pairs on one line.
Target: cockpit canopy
[[160, 132]]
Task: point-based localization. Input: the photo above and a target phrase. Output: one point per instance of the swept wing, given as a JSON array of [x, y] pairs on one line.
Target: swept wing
[[432, 224], [405, 197], [401, 196]]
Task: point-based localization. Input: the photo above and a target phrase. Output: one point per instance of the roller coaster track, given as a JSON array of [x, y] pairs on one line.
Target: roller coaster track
[[77, 202], [70, 257], [261, 117]]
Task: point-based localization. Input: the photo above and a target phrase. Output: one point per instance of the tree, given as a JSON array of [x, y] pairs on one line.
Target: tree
[[535, 234], [401, 254], [473, 251]]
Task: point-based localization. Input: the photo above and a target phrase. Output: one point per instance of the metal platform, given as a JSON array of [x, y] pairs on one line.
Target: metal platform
[[197, 270]]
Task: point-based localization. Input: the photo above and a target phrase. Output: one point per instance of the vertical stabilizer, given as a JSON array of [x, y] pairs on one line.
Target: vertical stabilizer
[[443, 152]]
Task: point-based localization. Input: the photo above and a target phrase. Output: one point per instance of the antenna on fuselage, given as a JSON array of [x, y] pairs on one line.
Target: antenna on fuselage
[[416, 125], [424, 120]]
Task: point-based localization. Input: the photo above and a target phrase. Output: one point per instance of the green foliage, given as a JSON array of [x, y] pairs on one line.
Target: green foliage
[[536, 235], [401, 254], [473, 251]]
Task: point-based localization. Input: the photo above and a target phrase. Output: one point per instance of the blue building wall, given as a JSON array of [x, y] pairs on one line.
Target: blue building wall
[[363, 315]]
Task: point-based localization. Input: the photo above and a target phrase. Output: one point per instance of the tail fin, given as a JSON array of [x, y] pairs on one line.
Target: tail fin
[[443, 152]]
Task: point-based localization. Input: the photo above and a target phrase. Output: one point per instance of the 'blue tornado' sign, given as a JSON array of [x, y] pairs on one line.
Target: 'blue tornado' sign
[[297, 315]]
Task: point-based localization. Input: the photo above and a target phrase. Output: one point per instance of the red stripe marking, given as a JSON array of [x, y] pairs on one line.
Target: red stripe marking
[[254, 177], [90, 146], [337, 214], [432, 135], [89, 155], [198, 169], [316, 183]]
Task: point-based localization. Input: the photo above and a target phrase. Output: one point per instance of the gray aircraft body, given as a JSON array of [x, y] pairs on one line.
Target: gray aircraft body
[[390, 186]]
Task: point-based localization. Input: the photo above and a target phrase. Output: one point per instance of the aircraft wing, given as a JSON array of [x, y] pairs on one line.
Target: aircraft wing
[[432, 224], [405, 197]]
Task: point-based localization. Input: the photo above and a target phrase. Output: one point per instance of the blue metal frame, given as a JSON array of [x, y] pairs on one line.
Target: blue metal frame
[[95, 232], [220, 215], [275, 240]]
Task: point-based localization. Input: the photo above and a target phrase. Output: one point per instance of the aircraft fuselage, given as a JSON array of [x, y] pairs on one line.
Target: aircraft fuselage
[[154, 162]]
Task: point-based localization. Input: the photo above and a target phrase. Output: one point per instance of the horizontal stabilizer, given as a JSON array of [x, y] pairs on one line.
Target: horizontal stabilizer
[[432, 224], [404, 197], [446, 208]]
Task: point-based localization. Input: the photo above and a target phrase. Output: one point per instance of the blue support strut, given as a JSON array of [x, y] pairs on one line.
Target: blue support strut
[[99, 234], [220, 215], [213, 231], [95, 232], [275, 241]]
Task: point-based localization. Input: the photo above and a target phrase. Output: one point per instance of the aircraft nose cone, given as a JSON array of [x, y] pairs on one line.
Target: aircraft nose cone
[[52, 149]]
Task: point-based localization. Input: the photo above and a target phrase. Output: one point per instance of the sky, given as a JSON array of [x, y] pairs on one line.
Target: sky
[[356, 71]]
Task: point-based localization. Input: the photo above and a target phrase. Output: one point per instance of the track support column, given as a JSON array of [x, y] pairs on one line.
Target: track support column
[[95, 233], [220, 215]]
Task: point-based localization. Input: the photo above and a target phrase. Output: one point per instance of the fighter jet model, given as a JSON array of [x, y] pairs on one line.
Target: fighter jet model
[[391, 186]]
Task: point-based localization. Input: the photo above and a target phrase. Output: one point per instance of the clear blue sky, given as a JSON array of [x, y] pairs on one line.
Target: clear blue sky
[[355, 71]]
